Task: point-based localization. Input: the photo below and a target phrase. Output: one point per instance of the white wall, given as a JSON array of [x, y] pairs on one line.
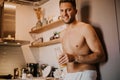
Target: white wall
[[103, 16], [25, 20], [118, 16]]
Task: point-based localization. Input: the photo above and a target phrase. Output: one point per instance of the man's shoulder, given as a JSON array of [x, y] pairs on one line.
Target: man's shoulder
[[84, 25]]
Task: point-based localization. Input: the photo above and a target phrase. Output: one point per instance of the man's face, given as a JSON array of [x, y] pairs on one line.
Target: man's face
[[67, 12]]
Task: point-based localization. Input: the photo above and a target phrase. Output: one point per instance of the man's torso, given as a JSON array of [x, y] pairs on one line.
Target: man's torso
[[73, 42]]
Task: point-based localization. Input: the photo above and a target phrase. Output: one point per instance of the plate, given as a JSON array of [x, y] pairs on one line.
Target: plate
[[47, 71]]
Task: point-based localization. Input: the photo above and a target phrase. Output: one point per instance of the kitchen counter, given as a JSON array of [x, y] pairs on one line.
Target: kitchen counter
[[38, 78]]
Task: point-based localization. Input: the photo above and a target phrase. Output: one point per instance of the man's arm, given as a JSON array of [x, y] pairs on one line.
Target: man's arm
[[95, 46]]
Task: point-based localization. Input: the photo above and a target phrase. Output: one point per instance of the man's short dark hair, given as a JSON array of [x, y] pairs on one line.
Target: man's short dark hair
[[70, 1]]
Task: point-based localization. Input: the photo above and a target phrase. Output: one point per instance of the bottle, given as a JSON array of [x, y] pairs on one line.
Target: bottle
[[23, 74], [16, 73]]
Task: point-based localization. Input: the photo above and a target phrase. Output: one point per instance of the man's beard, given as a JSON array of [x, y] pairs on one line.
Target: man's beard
[[70, 20]]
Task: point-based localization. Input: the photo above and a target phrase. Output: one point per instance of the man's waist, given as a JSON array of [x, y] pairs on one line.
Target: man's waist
[[80, 67]]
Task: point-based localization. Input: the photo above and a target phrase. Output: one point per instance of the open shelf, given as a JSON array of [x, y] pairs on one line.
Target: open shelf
[[46, 27], [55, 41], [8, 42], [43, 29]]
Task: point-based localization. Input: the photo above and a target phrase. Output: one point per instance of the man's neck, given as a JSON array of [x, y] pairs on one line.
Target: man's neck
[[72, 24]]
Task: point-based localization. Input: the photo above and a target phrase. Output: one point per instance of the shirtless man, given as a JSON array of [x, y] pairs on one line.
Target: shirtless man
[[81, 46]]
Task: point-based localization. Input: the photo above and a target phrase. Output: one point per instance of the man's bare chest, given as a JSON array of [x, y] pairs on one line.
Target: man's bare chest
[[73, 40]]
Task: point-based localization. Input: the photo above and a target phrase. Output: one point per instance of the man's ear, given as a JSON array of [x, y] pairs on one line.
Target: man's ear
[[76, 11]]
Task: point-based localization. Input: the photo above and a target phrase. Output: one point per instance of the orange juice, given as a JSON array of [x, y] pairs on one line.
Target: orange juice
[[63, 65], [58, 53]]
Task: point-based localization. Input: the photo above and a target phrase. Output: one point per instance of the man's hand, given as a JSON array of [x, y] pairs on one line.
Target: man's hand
[[65, 58]]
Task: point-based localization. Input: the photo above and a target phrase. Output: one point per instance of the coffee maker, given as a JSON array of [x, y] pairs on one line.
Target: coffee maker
[[33, 68]]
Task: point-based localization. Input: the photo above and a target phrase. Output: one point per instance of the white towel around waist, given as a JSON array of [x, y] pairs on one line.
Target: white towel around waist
[[83, 75]]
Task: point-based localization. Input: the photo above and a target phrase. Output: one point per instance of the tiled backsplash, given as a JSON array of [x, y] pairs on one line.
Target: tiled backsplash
[[10, 57]]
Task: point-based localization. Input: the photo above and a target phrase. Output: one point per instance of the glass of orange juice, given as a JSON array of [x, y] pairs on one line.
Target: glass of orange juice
[[62, 67], [59, 52]]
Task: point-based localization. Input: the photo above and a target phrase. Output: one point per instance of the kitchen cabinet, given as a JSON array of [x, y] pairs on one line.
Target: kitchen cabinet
[[43, 29]]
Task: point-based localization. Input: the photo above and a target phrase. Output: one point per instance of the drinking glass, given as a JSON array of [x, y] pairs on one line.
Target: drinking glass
[[59, 52]]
